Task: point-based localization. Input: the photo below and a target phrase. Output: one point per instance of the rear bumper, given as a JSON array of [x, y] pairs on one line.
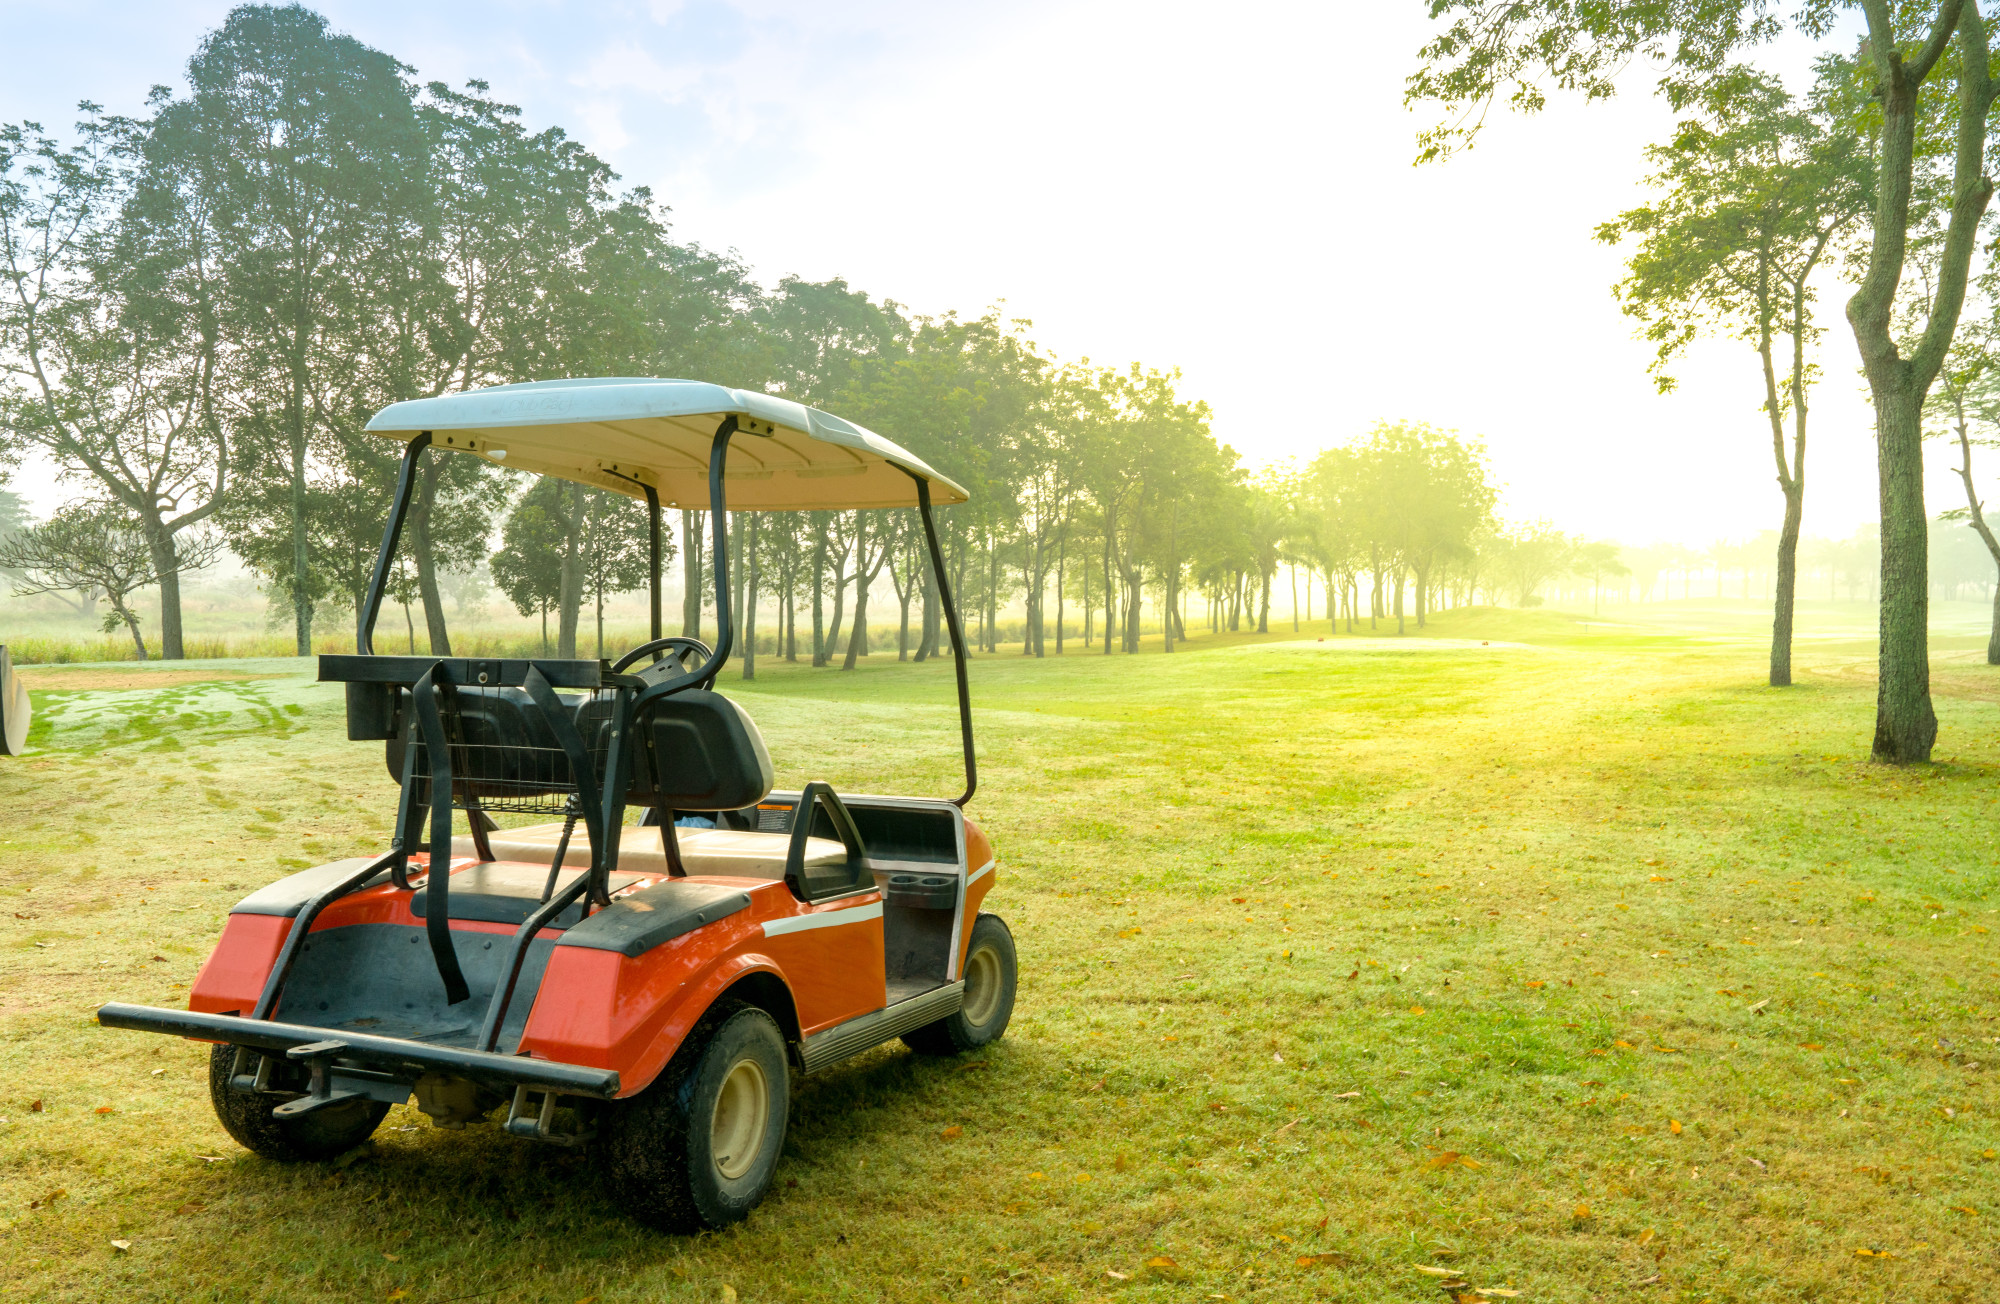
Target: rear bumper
[[394, 1057]]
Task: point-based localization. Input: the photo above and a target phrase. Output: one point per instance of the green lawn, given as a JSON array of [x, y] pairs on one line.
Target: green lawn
[[1577, 964]]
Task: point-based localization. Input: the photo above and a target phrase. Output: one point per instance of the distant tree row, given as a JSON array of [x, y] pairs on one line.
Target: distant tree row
[[201, 306]]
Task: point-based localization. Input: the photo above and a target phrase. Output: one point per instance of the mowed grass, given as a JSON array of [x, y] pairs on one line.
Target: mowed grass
[[1586, 969]]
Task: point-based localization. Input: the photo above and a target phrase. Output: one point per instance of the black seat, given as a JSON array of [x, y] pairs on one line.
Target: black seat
[[703, 752]]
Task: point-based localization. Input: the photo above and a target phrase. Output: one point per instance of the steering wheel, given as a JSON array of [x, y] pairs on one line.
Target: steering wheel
[[679, 652]]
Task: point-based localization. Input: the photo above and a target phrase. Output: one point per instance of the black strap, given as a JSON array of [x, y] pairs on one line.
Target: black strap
[[670, 842], [437, 886], [564, 728]]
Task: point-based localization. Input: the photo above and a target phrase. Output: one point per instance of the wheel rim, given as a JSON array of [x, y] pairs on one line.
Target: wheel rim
[[742, 1116], [982, 986]]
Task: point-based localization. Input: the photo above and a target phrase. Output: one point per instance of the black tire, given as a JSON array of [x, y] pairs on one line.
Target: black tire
[[989, 995], [246, 1116], [667, 1150]]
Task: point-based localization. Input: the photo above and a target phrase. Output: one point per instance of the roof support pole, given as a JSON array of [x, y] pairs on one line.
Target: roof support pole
[[957, 641], [653, 551], [718, 515], [406, 479]]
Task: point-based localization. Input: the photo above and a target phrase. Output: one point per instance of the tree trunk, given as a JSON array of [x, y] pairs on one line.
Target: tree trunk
[[167, 566], [819, 595], [1905, 723], [131, 619], [690, 574], [1788, 578], [570, 601], [302, 607]]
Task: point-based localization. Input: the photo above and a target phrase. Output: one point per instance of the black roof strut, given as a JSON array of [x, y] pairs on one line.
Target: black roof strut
[[957, 640]]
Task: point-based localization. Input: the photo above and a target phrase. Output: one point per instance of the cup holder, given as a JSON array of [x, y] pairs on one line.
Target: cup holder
[[922, 891]]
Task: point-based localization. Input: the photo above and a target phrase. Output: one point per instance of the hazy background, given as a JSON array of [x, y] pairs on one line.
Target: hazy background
[[1224, 189]]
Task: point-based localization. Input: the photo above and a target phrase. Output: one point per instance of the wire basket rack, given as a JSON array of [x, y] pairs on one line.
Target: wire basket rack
[[504, 754]]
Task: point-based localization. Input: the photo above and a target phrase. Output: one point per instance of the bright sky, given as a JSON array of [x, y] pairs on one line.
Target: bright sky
[[1223, 189]]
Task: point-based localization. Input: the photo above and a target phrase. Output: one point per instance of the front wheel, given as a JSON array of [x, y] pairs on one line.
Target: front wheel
[[989, 995], [697, 1149], [322, 1134]]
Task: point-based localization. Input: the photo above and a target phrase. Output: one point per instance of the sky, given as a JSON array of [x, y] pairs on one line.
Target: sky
[[1228, 190]]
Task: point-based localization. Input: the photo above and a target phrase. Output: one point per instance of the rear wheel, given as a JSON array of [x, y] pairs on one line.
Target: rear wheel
[[989, 995], [697, 1149], [323, 1134]]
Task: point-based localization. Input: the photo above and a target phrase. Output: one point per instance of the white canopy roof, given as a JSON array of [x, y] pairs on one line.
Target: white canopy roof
[[618, 433]]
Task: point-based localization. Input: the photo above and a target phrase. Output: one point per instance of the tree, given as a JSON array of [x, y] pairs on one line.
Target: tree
[[616, 551], [109, 344], [1531, 556], [1754, 192], [1598, 562], [1929, 67], [96, 550], [528, 568], [308, 146]]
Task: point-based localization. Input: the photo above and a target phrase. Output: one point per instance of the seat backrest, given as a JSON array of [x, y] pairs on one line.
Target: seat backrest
[[704, 753]]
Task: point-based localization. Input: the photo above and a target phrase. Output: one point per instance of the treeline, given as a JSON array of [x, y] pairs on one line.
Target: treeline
[[205, 303]]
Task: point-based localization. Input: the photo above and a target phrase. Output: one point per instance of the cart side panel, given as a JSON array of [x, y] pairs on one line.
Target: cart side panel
[[979, 862], [630, 1013], [233, 976]]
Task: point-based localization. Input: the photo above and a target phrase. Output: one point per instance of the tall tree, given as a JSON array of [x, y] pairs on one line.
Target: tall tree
[[309, 147], [1929, 62], [96, 549], [1754, 192], [109, 339]]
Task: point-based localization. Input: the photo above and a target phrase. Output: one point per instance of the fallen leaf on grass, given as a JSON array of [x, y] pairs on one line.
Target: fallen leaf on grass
[[1417, 1009], [1674, 1126], [399, 1293], [1646, 1236], [1428, 1270], [1960, 1208], [158, 1072], [1115, 1275], [49, 1199], [393, 1258], [1532, 985], [1346, 1095], [1811, 1045], [1581, 1213], [122, 1247], [1496, 1290], [976, 1064], [35, 1107], [193, 1206], [1624, 1045], [105, 1109], [952, 1132], [1874, 1254]]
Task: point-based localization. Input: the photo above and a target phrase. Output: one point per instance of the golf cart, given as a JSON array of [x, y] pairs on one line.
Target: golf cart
[[649, 988]]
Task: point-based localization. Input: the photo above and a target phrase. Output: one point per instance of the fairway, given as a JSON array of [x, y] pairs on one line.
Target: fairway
[[1547, 956]]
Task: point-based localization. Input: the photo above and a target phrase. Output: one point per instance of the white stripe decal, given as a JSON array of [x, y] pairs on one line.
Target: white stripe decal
[[828, 919], [977, 874]]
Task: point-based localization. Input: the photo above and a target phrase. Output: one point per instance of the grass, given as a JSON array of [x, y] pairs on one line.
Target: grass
[[1586, 968]]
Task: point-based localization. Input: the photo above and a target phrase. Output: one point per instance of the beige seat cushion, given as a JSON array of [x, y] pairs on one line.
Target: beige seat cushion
[[731, 852]]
